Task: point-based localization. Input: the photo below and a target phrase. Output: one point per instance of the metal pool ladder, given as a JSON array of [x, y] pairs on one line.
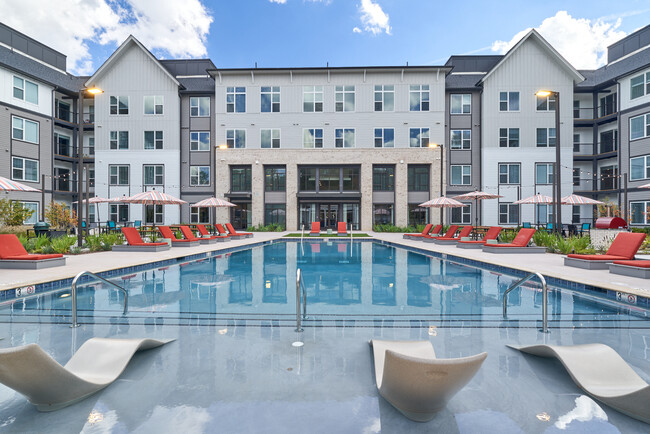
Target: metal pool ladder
[[300, 288], [520, 282], [74, 294]]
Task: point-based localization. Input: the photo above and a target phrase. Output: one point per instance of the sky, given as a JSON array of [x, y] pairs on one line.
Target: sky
[[313, 33]]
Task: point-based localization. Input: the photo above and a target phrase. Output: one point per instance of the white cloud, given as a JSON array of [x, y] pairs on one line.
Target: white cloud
[[278, 1], [167, 27], [374, 19], [582, 42], [356, 30]]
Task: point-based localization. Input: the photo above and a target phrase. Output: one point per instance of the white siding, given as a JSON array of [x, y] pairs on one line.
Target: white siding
[[44, 105], [625, 101]]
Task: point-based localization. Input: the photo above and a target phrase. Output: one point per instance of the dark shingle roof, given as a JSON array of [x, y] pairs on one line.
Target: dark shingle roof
[[473, 63], [608, 73], [462, 81], [197, 84]]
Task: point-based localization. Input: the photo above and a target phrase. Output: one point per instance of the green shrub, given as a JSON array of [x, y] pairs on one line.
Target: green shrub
[[109, 240], [62, 244], [13, 213], [507, 235], [393, 228], [41, 244], [273, 227], [94, 242]]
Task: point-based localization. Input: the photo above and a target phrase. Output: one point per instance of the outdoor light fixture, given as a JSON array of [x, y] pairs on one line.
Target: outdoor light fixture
[[94, 90], [557, 179], [222, 146], [544, 93]]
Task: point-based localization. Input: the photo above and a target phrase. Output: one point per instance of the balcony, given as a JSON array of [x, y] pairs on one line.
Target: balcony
[[68, 118], [68, 152], [585, 151], [585, 116]]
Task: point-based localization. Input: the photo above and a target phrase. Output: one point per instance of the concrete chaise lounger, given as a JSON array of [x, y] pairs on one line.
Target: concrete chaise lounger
[[624, 247], [449, 234], [414, 381], [492, 234], [14, 255], [136, 244], [168, 233], [464, 232], [637, 268], [206, 234], [49, 386], [602, 374], [426, 231], [518, 245], [315, 229]]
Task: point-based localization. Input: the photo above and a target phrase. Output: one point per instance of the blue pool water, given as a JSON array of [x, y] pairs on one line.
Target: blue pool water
[[364, 284]]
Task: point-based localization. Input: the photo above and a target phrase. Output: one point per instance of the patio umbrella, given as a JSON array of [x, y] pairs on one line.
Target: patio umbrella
[[442, 202], [212, 202], [476, 196], [96, 199], [538, 198], [575, 199], [9, 185], [644, 186], [153, 197]]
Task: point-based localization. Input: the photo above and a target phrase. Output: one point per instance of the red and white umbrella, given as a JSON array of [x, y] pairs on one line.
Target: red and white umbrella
[[538, 198], [96, 199], [442, 202], [9, 185], [212, 202], [575, 199], [153, 197], [476, 196], [644, 186], [118, 199]]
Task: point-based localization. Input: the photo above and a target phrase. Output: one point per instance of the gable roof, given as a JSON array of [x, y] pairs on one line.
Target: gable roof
[[533, 34], [131, 40]]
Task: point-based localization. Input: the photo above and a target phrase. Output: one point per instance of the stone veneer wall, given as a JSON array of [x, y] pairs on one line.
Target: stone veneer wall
[[602, 238]]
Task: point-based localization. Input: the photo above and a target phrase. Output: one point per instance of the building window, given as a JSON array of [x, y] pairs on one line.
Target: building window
[[25, 130], [462, 215], [344, 98], [275, 213], [344, 138], [119, 105], [119, 213], [153, 214], [270, 138], [576, 177], [275, 178], [312, 99], [418, 215], [608, 105], [608, 141], [235, 100], [509, 137], [119, 140], [461, 139], [383, 178], [418, 137], [461, 104], [384, 98], [312, 138], [199, 215], [382, 214], [270, 99], [509, 173], [118, 175], [25, 90], [329, 179], [544, 213], [640, 168], [461, 175], [545, 103], [32, 206], [575, 214], [240, 179], [91, 177], [199, 141], [544, 173], [91, 146], [199, 175], [153, 174], [307, 179], [545, 137], [576, 143], [384, 138], [609, 177], [508, 214], [418, 178], [639, 87], [419, 98], [62, 145], [640, 127], [350, 178], [153, 140], [509, 101], [24, 169], [153, 105], [200, 106], [640, 213], [236, 138]]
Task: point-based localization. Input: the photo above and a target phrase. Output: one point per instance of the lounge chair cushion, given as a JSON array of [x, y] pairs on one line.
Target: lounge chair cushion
[[342, 228], [523, 237], [232, 230], [639, 264], [315, 228], [626, 244], [596, 257], [29, 257], [12, 248], [188, 234]]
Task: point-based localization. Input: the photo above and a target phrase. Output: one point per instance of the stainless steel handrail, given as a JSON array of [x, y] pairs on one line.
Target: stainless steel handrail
[[520, 282], [300, 286], [74, 294]]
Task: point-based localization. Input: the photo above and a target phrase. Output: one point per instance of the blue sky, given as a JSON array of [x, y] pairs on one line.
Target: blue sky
[[286, 33]]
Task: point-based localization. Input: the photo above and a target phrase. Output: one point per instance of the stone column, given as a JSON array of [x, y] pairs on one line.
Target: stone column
[[401, 193]]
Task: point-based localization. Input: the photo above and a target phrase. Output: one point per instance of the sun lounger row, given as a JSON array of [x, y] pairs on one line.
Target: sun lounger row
[[135, 243], [488, 243], [341, 229]]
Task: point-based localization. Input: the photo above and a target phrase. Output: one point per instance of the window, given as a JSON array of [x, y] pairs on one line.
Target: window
[[640, 127], [418, 178], [307, 179], [153, 105], [462, 215], [576, 109], [461, 139], [270, 99], [62, 145], [62, 110], [312, 138], [118, 175], [25, 90], [270, 138], [382, 214], [199, 175], [461, 175], [240, 178], [418, 215], [509, 101], [544, 213], [544, 173], [119, 213], [312, 99], [383, 178], [24, 169], [384, 98], [419, 98], [640, 168], [236, 138], [609, 177], [235, 100], [153, 174], [153, 214], [199, 141], [576, 143], [350, 178], [508, 214], [119, 140], [200, 106], [608, 105], [32, 206], [608, 141], [640, 213], [199, 215], [344, 138], [576, 177], [91, 146], [545, 103], [545, 137], [639, 87], [24, 129], [344, 98], [575, 214], [153, 140], [119, 105], [275, 213], [384, 138], [461, 104], [509, 173], [329, 179], [275, 178], [509, 137], [419, 137], [91, 177]]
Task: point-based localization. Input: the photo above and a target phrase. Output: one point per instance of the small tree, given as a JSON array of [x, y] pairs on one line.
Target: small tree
[[13, 213], [60, 217]]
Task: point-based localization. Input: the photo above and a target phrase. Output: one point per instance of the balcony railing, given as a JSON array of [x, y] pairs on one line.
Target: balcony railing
[[591, 114], [70, 151], [71, 117]]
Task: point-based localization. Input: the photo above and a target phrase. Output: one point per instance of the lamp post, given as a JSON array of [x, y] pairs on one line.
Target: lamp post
[[442, 159], [557, 180]]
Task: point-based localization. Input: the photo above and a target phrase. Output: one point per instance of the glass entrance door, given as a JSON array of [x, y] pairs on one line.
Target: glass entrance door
[[240, 216], [328, 215]]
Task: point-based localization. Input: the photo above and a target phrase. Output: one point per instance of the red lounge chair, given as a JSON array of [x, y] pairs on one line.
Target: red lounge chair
[[233, 232], [464, 232], [167, 233], [425, 232], [315, 229], [14, 255], [491, 234], [342, 229], [206, 234], [449, 234], [624, 247], [189, 235], [631, 268], [518, 245], [135, 243]]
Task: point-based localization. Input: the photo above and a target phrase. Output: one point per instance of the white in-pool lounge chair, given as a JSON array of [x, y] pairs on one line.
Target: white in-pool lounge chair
[[602, 374], [49, 386], [414, 381]]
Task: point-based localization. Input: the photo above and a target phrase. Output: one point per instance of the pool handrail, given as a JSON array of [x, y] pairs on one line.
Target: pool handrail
[[74, 294], [520, 282], [300, 286]]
